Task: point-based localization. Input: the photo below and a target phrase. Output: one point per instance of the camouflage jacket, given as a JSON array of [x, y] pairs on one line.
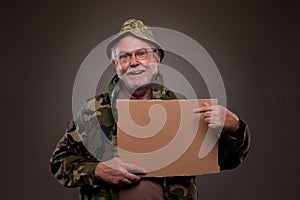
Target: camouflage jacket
[[82, 147]]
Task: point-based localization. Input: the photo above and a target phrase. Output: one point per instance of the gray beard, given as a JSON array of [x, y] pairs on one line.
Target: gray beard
[[134, 89]]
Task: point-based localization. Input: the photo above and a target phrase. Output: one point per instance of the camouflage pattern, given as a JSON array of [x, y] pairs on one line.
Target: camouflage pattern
[[74, 160]]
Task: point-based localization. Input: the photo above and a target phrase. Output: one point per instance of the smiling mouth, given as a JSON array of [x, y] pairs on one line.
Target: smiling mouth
[[136, 72]]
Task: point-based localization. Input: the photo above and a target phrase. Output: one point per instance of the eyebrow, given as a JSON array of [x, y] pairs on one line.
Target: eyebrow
[[123, 51]]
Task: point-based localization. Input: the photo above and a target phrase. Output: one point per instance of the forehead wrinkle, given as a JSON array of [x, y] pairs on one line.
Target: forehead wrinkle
[[130, 43]]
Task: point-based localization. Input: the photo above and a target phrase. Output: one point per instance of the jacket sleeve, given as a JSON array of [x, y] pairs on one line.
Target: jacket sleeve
[[86, 142], [71, 163], [233, 151]]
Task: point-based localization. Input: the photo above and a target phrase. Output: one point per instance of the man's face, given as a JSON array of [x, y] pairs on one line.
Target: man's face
[[135, 62]]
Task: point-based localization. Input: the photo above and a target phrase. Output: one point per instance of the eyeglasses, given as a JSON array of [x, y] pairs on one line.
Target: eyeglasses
[[140, 54]]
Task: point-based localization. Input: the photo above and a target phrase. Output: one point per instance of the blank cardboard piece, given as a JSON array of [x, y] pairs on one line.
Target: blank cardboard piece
[[165, 137]]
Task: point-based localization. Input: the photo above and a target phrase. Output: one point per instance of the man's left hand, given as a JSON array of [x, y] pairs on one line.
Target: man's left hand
[[219, 117]]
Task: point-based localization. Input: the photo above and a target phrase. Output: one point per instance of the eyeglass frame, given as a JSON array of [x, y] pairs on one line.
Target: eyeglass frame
[[131, 53]]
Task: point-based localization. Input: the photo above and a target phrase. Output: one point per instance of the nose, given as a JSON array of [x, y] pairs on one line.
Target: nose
[[133, 61]]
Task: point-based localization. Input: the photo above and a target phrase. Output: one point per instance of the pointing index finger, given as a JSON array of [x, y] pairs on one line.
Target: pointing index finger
[[205, 107]]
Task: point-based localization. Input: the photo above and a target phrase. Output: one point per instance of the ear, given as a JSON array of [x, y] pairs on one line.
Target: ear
[[158, 56], [114, 63]]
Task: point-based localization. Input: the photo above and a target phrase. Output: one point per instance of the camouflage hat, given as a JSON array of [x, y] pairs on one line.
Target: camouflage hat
[[138, 29]]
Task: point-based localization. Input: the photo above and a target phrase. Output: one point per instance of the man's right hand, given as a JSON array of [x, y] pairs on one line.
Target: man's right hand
[[117, 173]]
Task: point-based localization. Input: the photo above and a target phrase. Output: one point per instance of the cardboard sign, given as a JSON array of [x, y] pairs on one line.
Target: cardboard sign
[[166, 137]]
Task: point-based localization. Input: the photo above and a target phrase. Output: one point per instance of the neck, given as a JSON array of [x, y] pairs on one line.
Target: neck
[[143, 92]]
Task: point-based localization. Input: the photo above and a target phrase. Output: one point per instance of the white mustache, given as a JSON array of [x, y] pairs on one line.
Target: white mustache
[[135, 69]]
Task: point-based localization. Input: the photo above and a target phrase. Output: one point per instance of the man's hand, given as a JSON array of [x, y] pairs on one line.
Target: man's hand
[[216, 115], [117, 173]]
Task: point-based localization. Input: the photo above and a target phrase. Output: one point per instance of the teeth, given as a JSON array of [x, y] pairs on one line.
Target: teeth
[[136, 72]]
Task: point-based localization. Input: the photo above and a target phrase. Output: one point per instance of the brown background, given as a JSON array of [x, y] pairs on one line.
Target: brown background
[[255, 44]]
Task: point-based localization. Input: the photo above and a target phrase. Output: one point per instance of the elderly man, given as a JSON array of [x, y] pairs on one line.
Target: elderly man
[[135, 56]]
